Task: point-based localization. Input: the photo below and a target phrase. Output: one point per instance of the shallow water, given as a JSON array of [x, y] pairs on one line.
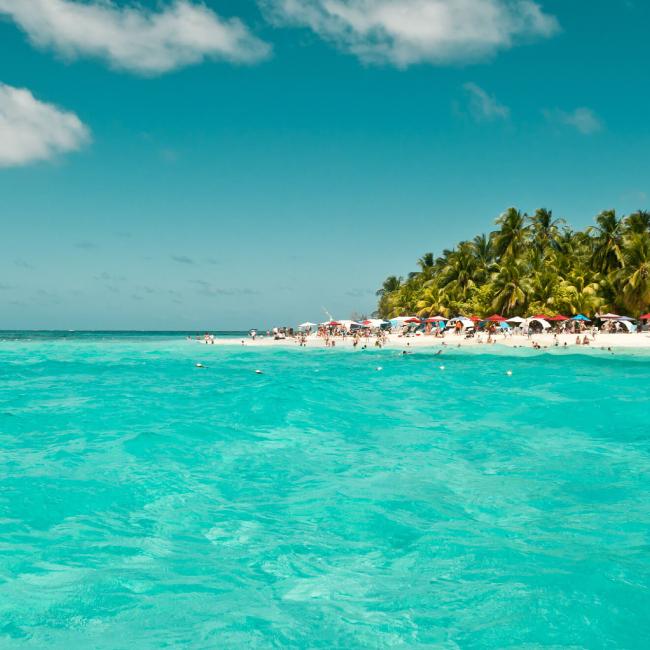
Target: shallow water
[[146, 503]]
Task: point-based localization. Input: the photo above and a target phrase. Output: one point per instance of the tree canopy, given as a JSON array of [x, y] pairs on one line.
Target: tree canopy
[[532, 263]]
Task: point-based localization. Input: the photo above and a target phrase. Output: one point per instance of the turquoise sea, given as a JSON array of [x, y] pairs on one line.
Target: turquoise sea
[[147, 503]]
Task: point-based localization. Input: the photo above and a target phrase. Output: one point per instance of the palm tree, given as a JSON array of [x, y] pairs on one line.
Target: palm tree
[[511, 287], [391, 283], [635, 275], [545, 229], [510, 239], [608, 243], [637, 223]]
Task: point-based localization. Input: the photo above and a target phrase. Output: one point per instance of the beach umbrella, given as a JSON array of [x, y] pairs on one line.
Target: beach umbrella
[[504, 325], [516, 319], [331, 323], [307, 324], [627, 318], [474, 319], [557, 318], [644, 317], [580, 317], [541, 317], [495, 318], [413, 320], [608, 317], [435, 319]]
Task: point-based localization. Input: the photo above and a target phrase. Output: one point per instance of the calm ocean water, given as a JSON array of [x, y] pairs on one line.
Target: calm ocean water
[[145, 503]]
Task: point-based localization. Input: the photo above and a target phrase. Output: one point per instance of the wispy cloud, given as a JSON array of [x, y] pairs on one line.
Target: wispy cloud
[[404, 32], [182, 259], [23, 264], [582, 119], [483, 106], [207, 289], [133, 38], [32, 130]]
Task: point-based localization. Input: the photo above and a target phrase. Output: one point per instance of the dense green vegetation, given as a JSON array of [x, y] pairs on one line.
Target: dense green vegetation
[[532, 264]]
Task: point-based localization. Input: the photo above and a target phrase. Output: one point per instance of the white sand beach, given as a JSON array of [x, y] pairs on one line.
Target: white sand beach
[[628, 341]]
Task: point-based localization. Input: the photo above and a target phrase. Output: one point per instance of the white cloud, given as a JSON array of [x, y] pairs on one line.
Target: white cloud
[[404, 32], [582, 119], [133, 38], [484, 106], [32, 130]]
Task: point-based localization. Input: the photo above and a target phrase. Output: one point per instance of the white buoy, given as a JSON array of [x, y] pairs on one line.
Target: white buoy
[[442, 367], [259, 372], [200, 365], [509, 372], [378, 368]]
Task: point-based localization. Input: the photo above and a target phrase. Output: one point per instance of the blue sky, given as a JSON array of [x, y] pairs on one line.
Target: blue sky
[[181, 165]]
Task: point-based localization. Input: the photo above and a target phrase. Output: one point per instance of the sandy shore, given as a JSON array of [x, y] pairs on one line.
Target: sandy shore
[[396, 342]]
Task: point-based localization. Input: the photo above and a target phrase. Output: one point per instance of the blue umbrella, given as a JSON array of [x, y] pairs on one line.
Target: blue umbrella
[[580, 317]]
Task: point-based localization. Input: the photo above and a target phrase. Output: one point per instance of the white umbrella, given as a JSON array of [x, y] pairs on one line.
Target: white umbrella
[[609, 317], [516, 319], [308, 324]]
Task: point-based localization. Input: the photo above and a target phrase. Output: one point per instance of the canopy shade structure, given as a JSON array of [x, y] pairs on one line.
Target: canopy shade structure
[[644, 317], [516, 319], [495, 318], [542, 321], [307, 324], [627, 325], [557, 319], [609, 316], [581, 317]]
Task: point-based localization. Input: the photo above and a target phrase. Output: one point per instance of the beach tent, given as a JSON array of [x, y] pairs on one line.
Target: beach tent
[[628, 325], [626, 318], [542, 321], [581, 317]]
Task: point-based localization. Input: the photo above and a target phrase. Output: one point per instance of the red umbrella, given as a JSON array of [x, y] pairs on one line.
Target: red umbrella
[[495, 318], [541, 316], [558, 318], [412, 320], [475, 319], [435, 319], [644, 317], [333, 323], [366, 322]]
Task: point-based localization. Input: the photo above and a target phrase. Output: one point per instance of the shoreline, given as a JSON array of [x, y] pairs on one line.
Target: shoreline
[[603, 341]]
